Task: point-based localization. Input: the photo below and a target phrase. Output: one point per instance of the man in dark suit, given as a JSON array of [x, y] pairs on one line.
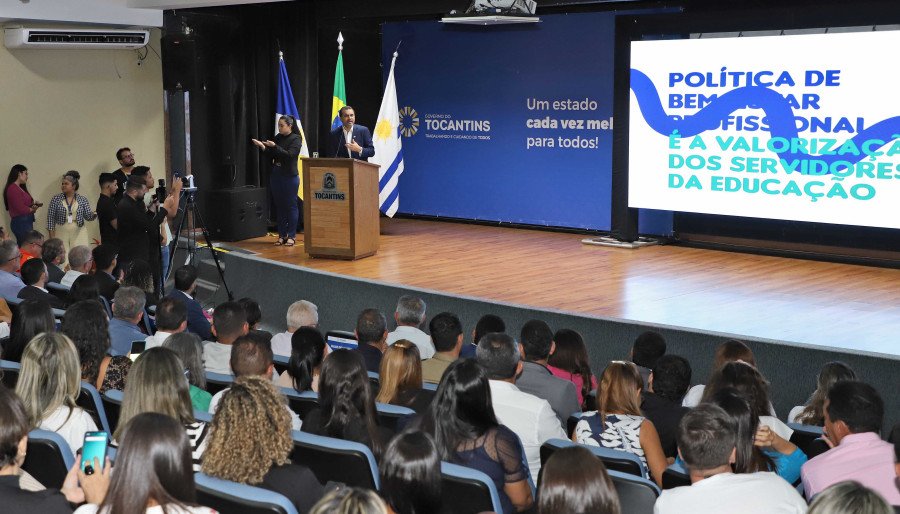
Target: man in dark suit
[[106, 260], [34, 274], [54, 255], [371, 334], [185, 283], [350, 140]]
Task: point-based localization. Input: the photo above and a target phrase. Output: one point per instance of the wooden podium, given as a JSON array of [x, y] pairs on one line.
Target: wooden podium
[[340, 208]]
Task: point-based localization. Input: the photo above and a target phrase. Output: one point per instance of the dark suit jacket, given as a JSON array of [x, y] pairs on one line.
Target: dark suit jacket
[[54, 273], [196, 321], [337, 144], [107, 285], [537, 380], [33, 293]]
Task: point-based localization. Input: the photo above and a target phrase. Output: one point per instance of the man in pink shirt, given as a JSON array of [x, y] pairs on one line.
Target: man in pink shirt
[[854, 413]]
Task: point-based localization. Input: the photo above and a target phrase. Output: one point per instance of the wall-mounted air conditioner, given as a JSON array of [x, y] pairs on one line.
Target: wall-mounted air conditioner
[[20, 37]]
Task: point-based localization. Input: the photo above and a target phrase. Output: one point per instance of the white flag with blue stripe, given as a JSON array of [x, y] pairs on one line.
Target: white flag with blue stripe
[[285, 105], [388, 148]]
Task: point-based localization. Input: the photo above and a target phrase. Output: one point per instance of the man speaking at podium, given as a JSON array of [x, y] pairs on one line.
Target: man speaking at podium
[[350, 140]]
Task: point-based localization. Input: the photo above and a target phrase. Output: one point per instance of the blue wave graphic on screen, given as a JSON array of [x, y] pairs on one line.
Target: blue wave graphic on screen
[[778, 111]]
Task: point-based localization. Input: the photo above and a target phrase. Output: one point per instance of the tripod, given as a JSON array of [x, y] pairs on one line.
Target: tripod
[[191, 217]]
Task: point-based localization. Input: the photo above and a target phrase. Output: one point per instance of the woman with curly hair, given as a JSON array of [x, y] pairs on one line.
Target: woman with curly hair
[[236, 452], [68, 211], [87, 326]]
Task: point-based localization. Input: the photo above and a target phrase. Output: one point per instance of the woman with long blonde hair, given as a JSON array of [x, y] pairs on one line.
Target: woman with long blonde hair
[[619, 424], [49, 383], [252, 406], [157, 383], [400, 378]]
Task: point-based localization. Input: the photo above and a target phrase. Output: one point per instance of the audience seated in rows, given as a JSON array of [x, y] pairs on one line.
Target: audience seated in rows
[[647, 348], [854, 414], [707, 441], [350, 500], [251, 356], [87, 326], [485, 325], [409, 316], [346, 407], [30, 246], [31, 317], [447, 336], [411, 474], [106, 260], [300, 314], [308, 350], [53, 253], [531, 418], [570, 362], [85, 287], [661, 400], [14, 428], [185, 284], [618, 422], [758, 447], [49, 384], [156, 383], [80, 263], [575, 481], [729, 351], [171, 318], [250, 442], [10, 284], [371, 333], [753, 387], [400, 378], [139, 274], [229, 323], [153, 471], [34, 275], [189, 349], [537, 344], [467, 432], [849, 498], [813, 413], [128, 311]]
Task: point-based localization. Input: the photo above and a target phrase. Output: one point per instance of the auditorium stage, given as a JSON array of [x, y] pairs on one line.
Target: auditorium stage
[[793, 300]]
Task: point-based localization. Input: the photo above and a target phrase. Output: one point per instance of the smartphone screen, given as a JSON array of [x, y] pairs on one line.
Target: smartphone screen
[[94, 448], [336, 343]]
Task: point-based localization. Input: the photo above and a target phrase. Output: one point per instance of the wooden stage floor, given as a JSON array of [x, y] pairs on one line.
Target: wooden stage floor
[[838, 305]]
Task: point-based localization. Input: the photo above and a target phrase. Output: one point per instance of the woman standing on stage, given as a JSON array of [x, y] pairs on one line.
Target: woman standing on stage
[[19, 203], [284, 179], [68, 211]]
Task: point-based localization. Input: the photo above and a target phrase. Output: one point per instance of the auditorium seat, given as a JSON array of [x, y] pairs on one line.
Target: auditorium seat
[[89, 400], [613, 459], [467, 491], [375, 382], [809, 439], [58, 290], [202, 415], [281, 363], [428, 386], [229, 497], [215, 382], [48, 458], [571, 422], [10, 371], [675, 476], [301, 403], [336, 460], [636, 495], [107, 306], [390, 415], [112, 404]]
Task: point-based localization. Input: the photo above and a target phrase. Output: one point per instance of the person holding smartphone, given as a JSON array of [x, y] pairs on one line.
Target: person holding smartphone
[[19, 203]]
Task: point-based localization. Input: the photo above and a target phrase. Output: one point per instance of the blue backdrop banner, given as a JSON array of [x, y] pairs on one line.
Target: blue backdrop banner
[[507, 123]]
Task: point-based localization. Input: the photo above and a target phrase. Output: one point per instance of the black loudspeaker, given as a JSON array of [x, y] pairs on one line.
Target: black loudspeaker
[[237, 214], [181, 66]]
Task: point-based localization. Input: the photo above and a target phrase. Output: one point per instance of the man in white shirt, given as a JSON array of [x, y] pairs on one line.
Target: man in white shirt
[[707, 442], [300, 314], [171, 318], [229, 323], [410, 315], [530, 417], [80, 262]]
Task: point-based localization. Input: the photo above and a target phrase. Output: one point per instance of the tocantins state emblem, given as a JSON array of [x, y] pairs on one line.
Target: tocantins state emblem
[[409, 121]]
